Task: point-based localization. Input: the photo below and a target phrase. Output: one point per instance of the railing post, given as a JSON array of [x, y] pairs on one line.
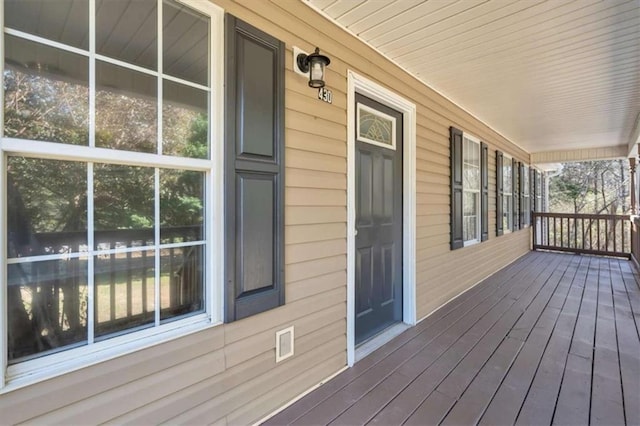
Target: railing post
[[534, 234]]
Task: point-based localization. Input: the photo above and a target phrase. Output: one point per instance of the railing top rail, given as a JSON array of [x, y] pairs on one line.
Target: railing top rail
[[584, 216]]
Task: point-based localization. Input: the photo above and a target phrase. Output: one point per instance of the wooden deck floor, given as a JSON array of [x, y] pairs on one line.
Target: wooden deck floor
[[552, 338]]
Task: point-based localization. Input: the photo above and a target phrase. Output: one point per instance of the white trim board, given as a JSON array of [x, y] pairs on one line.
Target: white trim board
[[366, 87]]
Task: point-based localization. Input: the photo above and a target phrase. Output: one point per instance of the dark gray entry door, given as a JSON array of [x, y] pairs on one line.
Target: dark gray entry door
[[378, 265]]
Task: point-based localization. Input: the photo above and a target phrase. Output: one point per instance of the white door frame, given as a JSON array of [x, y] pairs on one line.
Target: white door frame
[[370, 89]]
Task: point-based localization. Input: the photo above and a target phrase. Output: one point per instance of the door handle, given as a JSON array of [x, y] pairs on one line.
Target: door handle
[[355, 233]]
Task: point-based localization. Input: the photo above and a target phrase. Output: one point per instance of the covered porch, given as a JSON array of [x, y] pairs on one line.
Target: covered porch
[[551, 338]]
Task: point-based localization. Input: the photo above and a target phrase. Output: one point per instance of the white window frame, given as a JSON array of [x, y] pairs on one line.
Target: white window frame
[[538, 187], [47, 366], [507, 161], [466, 190]]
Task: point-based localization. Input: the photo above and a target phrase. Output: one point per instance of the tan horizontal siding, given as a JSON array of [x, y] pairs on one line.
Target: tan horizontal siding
[[314, 232], [315, 285], [297, 253], [227, 374], [310, 142], [305, 215], [308, 160]]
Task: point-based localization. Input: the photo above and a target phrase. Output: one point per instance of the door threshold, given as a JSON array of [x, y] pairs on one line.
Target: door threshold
[[385, 336]]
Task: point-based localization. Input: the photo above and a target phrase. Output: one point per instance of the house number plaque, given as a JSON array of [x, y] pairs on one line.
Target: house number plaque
[[325, 95]]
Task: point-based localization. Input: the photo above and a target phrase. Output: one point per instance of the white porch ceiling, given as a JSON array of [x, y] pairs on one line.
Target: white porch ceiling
[[549, 75]]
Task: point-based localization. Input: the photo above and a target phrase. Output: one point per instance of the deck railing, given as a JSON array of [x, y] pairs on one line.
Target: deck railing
[[599, 234], [53, 293]]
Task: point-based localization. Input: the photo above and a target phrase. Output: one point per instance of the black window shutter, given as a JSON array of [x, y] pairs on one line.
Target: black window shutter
[[523, 203], [456, 188], [499, 194], [516, 193], [484, 191], [254, 170]]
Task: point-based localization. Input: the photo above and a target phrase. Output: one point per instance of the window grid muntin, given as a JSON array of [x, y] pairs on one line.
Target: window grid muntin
[[471, 162], [20, 147]]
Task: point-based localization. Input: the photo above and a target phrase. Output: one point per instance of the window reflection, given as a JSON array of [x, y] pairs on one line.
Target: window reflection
[[181, 206], [46, 94], [126, 30], [182, 281], [185, 124], [47, 207], [124, 206], [124, 291], [65, 21], [186, 53], [47, 306], [126, 109]]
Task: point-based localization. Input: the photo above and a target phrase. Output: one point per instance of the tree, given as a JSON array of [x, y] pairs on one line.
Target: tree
[[593, 187]]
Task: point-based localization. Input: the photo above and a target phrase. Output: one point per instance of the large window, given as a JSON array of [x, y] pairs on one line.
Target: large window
[[471, 190], [507, 198], [538, 191], [109, 113]]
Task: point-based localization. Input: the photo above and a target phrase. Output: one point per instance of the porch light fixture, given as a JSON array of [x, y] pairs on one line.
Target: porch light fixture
[[313, 64]]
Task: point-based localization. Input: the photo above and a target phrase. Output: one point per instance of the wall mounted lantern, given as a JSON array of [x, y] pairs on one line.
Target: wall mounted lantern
[[313, 64]]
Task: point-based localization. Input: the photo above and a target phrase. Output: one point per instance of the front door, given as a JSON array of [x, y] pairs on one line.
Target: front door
[[378, 239]]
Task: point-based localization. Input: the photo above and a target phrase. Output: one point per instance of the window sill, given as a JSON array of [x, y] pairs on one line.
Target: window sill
[[471, 243], [50, 366]]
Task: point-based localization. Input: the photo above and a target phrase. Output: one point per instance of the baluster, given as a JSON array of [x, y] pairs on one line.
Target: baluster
[[615, 231]]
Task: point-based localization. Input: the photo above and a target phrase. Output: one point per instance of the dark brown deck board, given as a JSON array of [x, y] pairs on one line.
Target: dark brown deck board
[[469, 408], [628, 346], [633, 291], [414, 395], [606, 390], [410, 341], [414, 356], [505, 406], [539, 404], [574, 398], [519, 346]]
